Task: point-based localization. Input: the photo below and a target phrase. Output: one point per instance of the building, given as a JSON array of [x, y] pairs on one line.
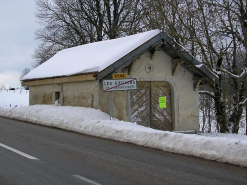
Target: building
[[73, 77]]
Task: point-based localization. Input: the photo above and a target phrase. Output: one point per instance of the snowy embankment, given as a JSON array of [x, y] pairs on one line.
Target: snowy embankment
[[96, 123]]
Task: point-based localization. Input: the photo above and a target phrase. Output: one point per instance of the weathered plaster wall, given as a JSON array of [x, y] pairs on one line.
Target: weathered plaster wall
[[119, 103], [43, 94], [81, 94], [85, 94], [71, 94], [185, 99]]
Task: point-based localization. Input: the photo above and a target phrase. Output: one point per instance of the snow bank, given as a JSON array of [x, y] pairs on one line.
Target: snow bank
[[96, 123]]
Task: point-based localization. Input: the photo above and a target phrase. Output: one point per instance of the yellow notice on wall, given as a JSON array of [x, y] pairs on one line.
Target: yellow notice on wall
[[162, 102]]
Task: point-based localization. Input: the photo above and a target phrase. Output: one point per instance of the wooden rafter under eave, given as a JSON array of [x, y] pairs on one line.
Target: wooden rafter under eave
[[177, 64], [197, 83]]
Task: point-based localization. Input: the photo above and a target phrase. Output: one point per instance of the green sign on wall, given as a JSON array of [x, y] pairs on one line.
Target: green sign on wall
[[162, 102]]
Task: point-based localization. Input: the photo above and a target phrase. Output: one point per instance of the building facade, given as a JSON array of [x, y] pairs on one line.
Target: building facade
[[162, 70]]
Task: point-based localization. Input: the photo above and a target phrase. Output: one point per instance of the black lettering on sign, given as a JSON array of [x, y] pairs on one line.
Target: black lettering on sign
[[118, 75]]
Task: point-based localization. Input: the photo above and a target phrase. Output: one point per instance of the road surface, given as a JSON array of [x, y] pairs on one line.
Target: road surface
[[35, 154]]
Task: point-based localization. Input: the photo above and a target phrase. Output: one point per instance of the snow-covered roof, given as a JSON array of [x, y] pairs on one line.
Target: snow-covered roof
[[105, 57], [89, 58]]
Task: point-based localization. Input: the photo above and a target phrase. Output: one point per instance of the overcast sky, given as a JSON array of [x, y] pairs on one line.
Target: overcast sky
[[17, 40]]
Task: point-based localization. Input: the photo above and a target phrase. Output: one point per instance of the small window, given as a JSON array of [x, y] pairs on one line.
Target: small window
[[57, 98]]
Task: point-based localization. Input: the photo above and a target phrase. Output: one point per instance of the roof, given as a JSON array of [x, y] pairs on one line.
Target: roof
[[105, 57], [89, 58]]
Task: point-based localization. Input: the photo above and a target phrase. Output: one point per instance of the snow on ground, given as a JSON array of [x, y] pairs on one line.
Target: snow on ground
[[219, 147], [12, 98], [224, 135]]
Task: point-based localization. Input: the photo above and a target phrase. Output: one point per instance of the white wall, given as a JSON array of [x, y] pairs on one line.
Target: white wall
[[185, 99]]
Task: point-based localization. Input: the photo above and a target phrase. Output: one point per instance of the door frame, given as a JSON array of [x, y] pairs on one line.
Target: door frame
[[174, 97]]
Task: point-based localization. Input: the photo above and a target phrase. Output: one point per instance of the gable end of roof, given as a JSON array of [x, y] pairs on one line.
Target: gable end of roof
[[169, 46], [130, 57]]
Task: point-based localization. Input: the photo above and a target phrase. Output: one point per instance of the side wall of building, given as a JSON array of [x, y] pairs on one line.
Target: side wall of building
[[119, 103], [85, 94], [71, 94]]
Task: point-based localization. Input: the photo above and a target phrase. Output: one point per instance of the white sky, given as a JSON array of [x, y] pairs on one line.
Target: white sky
[[17, 27]]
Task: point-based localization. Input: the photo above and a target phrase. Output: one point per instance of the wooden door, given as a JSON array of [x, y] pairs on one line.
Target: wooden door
[[145, 106]]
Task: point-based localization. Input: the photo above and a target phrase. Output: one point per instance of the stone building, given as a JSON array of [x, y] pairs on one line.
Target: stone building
[[73, 77]]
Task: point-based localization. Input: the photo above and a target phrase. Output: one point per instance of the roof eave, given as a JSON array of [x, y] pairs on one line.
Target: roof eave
[[168, 42], [181, 53], [94, 73], [130, 57]]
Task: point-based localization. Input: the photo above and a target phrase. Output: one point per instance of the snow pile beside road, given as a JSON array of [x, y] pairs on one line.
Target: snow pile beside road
[[96, 123]]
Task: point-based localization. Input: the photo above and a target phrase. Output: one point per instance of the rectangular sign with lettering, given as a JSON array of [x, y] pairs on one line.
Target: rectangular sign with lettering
[[119, 75], [120, 84]]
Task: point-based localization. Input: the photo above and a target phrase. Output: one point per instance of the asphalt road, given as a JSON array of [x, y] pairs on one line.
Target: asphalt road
[[35, 154]]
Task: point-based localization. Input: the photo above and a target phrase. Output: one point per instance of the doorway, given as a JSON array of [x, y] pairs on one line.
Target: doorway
[[146, 109], [57, 98]]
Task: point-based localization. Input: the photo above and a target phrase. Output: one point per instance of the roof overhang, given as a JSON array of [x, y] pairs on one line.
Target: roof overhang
[[192, 64], [169, 46], [58, 80]]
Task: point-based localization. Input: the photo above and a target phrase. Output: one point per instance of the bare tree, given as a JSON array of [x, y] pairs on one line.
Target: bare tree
[[232, 31], [24, 72], [215, 32], [69, 23]]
